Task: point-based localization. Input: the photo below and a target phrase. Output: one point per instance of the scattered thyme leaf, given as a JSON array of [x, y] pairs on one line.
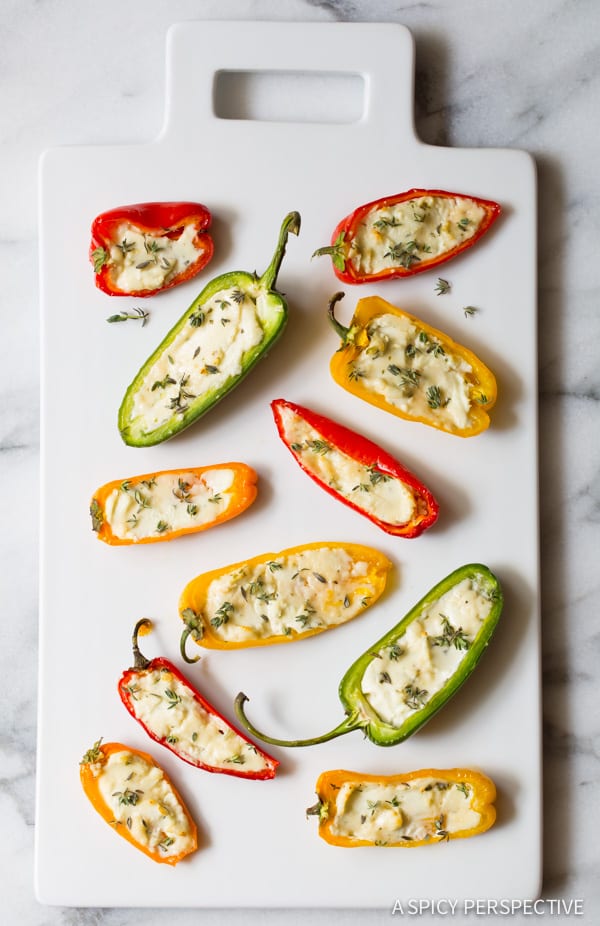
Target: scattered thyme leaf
[[136, 315]]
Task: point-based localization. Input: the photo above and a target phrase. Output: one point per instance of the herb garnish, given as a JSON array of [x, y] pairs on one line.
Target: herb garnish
[[451, 636], [172, 697], [222, 614], [136, 315], [435, 398], [414, 697], [128, 797], [404, 254]]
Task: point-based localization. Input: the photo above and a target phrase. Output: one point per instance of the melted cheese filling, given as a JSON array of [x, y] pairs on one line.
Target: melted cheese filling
[[293, 595], [414, 372], [168, 708], [402, 678], [418, 809], [142, 261], [202, 357], [143, 801], [168, 503], [377, 494], [417, 230]]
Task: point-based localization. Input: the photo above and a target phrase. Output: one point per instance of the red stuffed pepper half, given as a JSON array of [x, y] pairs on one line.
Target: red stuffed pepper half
[[146, 248], [356, 471]]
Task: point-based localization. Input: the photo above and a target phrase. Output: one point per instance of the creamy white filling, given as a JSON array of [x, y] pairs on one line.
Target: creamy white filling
[[402, 678], [203, 356], [378, 494], [167, 707], [418, 809], [141, 261], [144, 802], [408, 233], [414, 372], [168, 503], [289, 595]]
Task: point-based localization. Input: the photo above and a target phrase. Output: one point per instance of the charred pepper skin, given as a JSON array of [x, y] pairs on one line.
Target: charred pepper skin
[[133, 429], [377, 461], [142, 667], [345, 234], [360, 715], [164, 220]]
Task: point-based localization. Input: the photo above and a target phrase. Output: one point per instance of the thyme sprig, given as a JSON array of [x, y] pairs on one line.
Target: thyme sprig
[[127, 797], [404, 254], [414, 697], [222, 614], [126, 246], [135, 315], [435, 398], [451, 636], [386, 222], [442, 287]]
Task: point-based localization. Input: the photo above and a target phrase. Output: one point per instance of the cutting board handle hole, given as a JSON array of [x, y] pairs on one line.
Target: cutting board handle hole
[[289, 96]]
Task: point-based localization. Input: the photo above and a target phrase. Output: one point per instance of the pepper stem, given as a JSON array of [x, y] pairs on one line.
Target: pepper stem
[[184, 638], [140, 661], [351, 722], [344, 333], [291, 224], [320, 810]]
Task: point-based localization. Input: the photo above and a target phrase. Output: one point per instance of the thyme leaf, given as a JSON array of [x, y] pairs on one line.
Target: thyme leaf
[[136, 315], [222, 614], [451, 636], [126, 246], [404, 254], [435, 398], [414, 697]]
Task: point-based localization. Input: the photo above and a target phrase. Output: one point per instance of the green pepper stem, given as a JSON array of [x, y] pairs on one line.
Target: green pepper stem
[[139, 661], [343, 332], [291, 224], [184, 637], [351, 722]]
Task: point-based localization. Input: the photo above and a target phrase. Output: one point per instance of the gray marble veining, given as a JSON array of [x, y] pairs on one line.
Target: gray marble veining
[[512, 74]]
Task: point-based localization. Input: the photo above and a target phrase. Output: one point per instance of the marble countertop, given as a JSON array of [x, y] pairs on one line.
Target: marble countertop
[[522, 75]]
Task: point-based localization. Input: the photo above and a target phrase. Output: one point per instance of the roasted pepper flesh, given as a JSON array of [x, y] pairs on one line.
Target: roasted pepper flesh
[[419, 808], [133, 794], [234, 321], [161, 506], [281, 597], [398, 363], [146, 248], [356, 471], [177, 716], [401, 235], [401, 681]]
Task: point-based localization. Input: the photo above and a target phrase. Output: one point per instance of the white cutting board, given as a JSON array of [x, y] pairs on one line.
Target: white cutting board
[[257, 848]]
